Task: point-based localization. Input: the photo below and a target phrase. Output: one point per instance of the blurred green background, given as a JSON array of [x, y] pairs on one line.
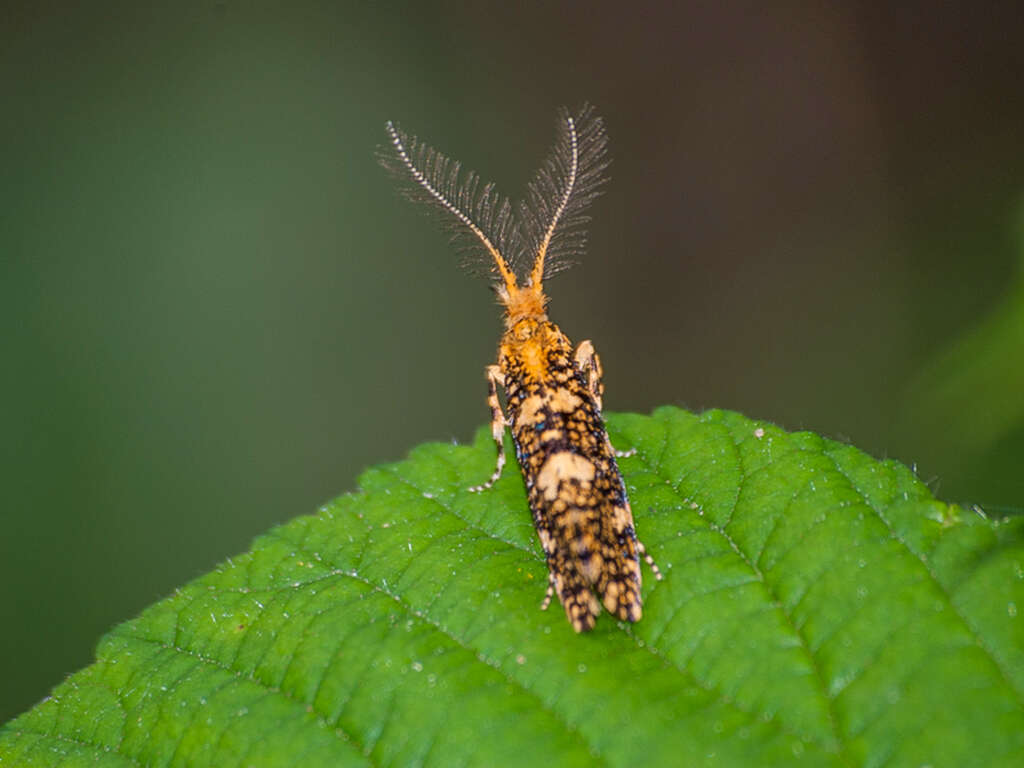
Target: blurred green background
[[216, 310]]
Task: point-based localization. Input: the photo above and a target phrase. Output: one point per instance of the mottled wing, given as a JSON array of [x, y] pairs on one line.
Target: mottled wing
[[619, 582], [575, 490]]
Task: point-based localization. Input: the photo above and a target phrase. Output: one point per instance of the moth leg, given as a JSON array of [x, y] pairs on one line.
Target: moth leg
[[548, 545], [550, 593], [495, 378], [650, 560], [589, 364]]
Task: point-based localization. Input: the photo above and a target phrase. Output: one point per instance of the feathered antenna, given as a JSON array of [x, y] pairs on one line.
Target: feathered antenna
[[481, 222], [554, 212]]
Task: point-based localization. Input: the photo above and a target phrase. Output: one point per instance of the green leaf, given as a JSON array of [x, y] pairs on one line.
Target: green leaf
[[819, 608]]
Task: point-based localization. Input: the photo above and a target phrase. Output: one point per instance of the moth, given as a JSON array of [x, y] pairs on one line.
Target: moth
[[553, 392]]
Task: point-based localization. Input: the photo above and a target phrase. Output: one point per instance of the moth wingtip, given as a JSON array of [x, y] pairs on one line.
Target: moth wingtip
[[631, 611], [583, 623]]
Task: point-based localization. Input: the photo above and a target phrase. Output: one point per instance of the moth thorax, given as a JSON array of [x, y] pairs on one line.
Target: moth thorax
[[528, 329], [526, 303]]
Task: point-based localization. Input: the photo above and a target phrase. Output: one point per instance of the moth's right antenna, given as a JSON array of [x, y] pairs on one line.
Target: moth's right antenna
[[554, 214]]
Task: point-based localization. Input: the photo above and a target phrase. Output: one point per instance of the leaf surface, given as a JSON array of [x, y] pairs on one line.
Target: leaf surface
[[819, 607]]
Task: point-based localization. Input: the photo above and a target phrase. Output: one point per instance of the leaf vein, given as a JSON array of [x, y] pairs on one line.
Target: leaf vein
[[998, 662]]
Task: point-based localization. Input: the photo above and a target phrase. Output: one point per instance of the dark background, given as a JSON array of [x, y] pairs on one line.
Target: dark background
[[216, 311]]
